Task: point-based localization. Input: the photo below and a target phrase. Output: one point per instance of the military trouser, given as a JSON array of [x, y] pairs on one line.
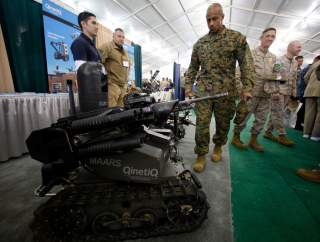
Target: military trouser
[[223, 109], [312, 117], [259, 106], [278, 104], [240, 120], [116, 94]]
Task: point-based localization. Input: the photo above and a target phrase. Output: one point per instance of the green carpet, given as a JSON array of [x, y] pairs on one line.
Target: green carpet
[[269, 202]]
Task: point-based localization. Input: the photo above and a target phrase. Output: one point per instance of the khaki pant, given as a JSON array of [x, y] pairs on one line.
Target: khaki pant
[[259, 106], [312, 117], [278, 105], [116, 94]]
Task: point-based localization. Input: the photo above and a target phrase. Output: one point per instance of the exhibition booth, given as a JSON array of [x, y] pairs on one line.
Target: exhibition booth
[[36, 62]]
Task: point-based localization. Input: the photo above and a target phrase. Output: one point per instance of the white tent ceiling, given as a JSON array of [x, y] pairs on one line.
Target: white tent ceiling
[[167, 29]]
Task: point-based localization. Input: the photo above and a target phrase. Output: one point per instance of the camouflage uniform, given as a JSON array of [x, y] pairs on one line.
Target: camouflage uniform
[[216, 54], [242, 110], [286, 89], [265, 85], [242, 113]]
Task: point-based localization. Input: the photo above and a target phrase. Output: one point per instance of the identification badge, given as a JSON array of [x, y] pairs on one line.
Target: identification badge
[[125, 63]]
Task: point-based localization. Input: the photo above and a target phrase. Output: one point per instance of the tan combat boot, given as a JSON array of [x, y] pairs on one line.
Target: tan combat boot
[[200, 163], [310, 175], [270, 136], [285, 141], [236, 141], [253, 143], [216, 154]]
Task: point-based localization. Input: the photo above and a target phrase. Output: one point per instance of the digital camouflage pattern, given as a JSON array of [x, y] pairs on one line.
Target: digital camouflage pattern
[[223, 109], [242, 110], [214, 59], [214, 56], [240, 120], [265, 78], [277, 109], [264, 85], [279, 101], [288, 72]]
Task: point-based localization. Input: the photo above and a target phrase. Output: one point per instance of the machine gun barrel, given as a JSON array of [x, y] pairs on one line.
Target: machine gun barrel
[[136, 116], [183, 105], [194, 100]]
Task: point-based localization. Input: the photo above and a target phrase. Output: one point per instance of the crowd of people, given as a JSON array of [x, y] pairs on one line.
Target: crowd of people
[[269, 85]]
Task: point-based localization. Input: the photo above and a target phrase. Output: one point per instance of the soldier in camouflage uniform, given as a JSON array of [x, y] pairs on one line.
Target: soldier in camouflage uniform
[[287, 88], [265, 85], [214, 56], [242, 111]]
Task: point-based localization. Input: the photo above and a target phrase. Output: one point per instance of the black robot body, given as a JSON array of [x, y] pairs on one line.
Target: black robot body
[[121, 174]]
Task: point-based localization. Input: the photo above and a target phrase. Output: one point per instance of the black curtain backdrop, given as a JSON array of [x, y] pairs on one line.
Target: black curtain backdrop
[[22, 25]]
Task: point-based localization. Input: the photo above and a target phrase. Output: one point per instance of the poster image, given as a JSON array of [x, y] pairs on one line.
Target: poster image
[[60, 29]]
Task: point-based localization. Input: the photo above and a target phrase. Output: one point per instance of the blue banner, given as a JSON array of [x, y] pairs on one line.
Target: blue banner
[[60, 29], [56, 11], [176, 81]]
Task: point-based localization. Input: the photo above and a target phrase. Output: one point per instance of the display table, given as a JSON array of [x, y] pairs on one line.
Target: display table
[[21, 113]]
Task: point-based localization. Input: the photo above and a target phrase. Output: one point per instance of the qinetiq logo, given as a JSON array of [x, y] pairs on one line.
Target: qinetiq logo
[[131, 171]]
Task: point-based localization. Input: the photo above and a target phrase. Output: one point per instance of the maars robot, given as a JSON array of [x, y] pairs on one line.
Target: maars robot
[[120, 173]]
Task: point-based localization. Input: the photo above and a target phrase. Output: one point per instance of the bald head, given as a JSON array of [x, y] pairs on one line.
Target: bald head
[[294, 48], [215, 8], [215, 17]]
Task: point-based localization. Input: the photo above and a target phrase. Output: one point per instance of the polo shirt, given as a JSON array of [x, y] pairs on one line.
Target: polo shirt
[[84, 49]]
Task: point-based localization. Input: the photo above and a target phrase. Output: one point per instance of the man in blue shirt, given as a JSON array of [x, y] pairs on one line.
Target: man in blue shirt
[[83, 48]]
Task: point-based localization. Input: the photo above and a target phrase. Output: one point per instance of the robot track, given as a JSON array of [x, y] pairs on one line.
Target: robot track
[[114, 211]]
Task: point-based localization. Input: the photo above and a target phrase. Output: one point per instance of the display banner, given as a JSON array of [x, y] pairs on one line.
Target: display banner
[[176, 80], [60, 29], [130, 50]]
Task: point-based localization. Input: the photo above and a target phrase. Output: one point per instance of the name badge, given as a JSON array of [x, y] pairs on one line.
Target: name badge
[[125, 63]]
